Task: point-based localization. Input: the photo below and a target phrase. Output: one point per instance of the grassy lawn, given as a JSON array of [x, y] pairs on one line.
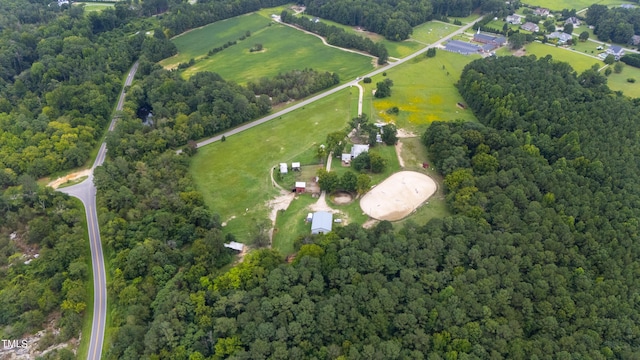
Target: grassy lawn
[[618, 82], [291, 223], [423, 90], [234, 175], [94, 6], [432, 31], [468, 19], [299, 51], [572, 4], [579, 62], [197, 43]]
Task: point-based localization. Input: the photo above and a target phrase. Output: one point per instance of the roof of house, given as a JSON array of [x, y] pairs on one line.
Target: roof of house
[[572, 20], [301, 184], [358, 149], [462, 47], [635, 39], [234, 245], [616, 49], [529, 26], [321, 222], [560, 36], [489, 38]]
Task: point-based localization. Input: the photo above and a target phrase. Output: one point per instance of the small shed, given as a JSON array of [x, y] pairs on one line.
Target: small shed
[[283, 168], [309, 217], [321, 222], [358, 149], [295, 166], [300, 187], [234, 246], [346, 158]]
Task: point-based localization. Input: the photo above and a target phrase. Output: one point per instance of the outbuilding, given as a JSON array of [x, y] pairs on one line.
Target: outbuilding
[[295, 166], [283, 168], [300, 187], [321, 222], [234, 246]]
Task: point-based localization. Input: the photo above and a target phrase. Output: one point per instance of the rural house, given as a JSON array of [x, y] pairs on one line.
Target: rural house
[[514, 19], [542, 12], [321, 222], [529, 26], [616, 51], [635, 40], [573, 21], [563, 38]]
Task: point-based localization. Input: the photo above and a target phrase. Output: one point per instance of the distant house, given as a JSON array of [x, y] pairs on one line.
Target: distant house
[[635, 40], [295, 166], [462, 47], [316, 20], [529, 26], [358, 149], [495, 41], [235, 246], [627, 6], [542, 12], [616, 51], [63, 2], [283, 168], [573, 21], [300, 187], [514, 19], [562, 38], [321, 222]]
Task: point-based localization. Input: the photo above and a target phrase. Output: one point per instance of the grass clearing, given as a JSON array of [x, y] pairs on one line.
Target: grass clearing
[[94, 6], [299, 51], [578, 61], [423, 90], [197, 43], [618, 82], [468, 19], [573, 4], [432, 31], [291, 223], [233, 176]]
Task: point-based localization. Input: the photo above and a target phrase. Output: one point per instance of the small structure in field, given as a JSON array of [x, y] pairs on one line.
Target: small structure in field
[[309, 217], [283, 168], [300, 187], [234, 246], [346, 159], [321, 222], [358, 149], [295, 166]]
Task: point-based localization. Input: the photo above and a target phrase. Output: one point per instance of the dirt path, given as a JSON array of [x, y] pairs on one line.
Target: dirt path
[[399, 154], [74, 176], [360, 96]]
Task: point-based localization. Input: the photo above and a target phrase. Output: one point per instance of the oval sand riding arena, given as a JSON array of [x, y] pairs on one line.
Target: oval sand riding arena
[[398, 196]]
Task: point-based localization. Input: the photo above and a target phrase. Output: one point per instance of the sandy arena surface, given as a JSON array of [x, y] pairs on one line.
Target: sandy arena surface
[[398, 195]]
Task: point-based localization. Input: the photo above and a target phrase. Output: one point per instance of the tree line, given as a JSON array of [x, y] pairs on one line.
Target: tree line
[[293, 85], [337, 36], [616, 24]]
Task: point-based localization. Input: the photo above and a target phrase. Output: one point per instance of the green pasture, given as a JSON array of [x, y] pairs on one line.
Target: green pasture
[[558, 5], [588, 47], [291, 223], [467, 19], [578, 61], [618, 82], [197, 43], [285, 49], [94, 6], [414, 153], [432, 31], [423, 90], [234, 175]]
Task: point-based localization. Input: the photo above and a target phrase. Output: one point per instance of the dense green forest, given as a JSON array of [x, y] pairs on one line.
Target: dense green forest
[[44, 263], [616, 24]]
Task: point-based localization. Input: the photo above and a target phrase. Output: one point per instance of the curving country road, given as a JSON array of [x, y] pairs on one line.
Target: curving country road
[[86, 192], [304, 103]]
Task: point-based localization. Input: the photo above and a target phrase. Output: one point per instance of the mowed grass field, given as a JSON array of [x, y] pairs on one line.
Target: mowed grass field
[[424, 91], [94, 6], [197, 43], [285, 49], [618, 82], [233, 176], [578, 61], [432, 31], [572, 4]]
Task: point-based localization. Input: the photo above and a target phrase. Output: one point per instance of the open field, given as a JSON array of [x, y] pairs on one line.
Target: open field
[[291, 223], [299, 51], [197, 43], [579, 61], [618, 82], [423, 90], [94, 6], [572, 4], [233, 176], [467, 19], [432, 31], [396, 197]]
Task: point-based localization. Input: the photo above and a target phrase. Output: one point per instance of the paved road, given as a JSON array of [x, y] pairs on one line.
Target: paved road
[[86, 192], [331, 91]]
